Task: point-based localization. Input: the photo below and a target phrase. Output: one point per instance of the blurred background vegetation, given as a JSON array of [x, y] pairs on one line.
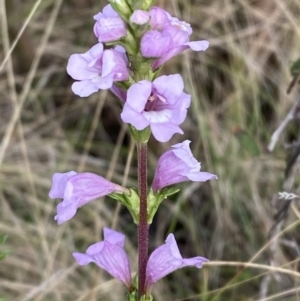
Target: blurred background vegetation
[[239, 99]]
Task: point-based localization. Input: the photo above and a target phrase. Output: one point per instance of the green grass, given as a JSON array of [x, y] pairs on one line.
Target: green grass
[[239, 98]]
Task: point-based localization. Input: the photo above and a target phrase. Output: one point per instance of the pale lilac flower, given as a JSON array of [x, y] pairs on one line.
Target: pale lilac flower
[[140, 17], [159, 18], [161, 104], [180, 42], [59, 182], [167, 259], [168, 35], [178, 165], [109, 255], [182, 25], [97, 69], [109, 25], [77, 190], [155, 44]]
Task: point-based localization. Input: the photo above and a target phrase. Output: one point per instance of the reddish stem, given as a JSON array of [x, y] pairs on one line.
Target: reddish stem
[[143, 228]]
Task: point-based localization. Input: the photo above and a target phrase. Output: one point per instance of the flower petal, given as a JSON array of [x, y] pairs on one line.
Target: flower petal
[[85, 187], [159, 18], [131, 116], [198, 45], [82, 259], [163, 132], [109, 255], [65, 212], [178, 165], [114, 237], [138, 94], [84, 88], [201, 176], [140, 17], [166, 259], [59, 181], [155, 44], [109, 25], [77, 190], [170, 86]]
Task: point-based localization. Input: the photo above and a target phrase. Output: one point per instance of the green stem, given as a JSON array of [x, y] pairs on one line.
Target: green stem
[[143, 227]]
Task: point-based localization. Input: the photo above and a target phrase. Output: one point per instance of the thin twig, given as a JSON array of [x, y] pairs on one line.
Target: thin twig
[[282, 126]]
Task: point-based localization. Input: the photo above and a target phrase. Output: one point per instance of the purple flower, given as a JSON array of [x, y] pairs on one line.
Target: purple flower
[[180, 42], [178, 165], [184, 26], [155, 44], [159, 18], [97, 69], [77, 190], [161, 104], [140, 17], [166, 259], [168, 37], [109, 26], [109, 255]]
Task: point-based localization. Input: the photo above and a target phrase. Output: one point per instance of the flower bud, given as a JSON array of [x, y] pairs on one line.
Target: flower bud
[[140, 17]]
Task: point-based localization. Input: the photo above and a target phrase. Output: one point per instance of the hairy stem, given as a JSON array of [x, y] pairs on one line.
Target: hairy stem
[[143, 228]]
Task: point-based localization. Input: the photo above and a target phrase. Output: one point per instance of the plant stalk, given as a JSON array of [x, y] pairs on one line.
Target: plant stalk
[[143, 227]]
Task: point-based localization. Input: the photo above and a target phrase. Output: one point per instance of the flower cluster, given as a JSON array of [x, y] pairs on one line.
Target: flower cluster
[[134, 40], [168, 37], [149, 39]]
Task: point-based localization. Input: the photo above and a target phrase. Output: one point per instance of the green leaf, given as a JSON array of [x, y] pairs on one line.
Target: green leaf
[[131, 200], [154, 200]]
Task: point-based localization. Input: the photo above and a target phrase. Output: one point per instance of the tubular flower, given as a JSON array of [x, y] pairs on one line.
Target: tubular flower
[[167, 259], [77, 190], [109, 25], [178, 165], [168, 35], [97, 69], [161, 104], [109, 255]]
